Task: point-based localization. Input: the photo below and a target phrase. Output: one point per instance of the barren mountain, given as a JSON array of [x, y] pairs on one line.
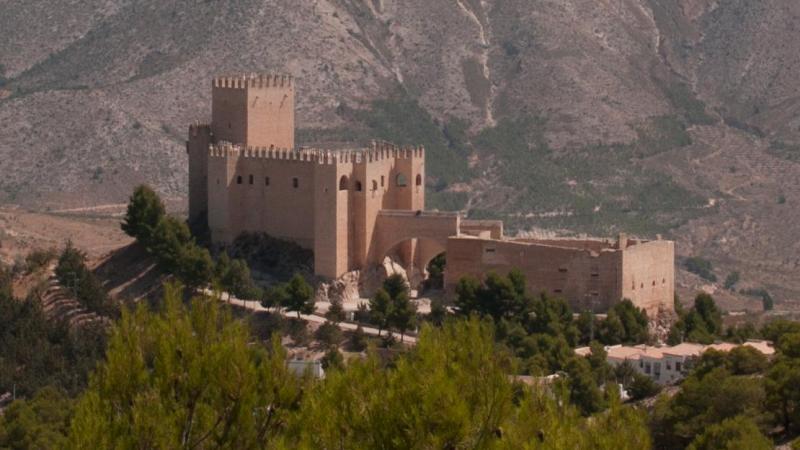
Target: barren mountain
[[596, 116]]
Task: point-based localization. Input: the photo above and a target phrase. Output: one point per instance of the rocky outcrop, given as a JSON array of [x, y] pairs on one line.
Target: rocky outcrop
[[360, 284]]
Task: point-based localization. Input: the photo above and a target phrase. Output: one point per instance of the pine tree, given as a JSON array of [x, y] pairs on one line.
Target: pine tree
[[145, 210]]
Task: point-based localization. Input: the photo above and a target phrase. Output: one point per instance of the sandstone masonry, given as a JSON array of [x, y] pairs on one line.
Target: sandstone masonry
[[355, 206]]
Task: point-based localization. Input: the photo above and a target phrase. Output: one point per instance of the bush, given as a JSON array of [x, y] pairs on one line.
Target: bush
[[38, 259], [329, 334], [642, 387], [700, 267], [731, 280], [359, 341]]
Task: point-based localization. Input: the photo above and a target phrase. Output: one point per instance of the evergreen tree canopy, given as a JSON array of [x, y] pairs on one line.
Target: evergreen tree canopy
[[145, 210]]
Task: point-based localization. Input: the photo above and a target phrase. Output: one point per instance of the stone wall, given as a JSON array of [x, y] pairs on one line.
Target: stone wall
[[587, 278]]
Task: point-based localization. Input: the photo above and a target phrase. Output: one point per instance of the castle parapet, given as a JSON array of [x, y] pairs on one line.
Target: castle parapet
[[252, 81], [306, 154]]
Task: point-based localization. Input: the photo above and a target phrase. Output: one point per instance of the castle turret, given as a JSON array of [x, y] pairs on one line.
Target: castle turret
[[254, 110], [197, 147]]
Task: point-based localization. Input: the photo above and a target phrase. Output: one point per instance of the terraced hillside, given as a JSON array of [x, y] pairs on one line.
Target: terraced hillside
[[678, 118]]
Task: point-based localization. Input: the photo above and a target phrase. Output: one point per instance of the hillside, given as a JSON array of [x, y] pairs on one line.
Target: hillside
[[678, 118]]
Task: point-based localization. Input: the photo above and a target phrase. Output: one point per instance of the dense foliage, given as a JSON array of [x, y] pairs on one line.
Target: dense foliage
[[35, 352], [75, 276], [171, 243], [188, 378]]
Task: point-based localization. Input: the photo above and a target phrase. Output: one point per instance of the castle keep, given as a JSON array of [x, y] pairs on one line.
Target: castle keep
[[353, 207]]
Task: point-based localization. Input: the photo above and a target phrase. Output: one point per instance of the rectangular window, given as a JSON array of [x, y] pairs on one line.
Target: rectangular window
[[677, 366], [266, 181], [562, 269], [595, 274], [557, 291], [647, 368], [250, 179], [490, 250], [295, 182], [382, 180]]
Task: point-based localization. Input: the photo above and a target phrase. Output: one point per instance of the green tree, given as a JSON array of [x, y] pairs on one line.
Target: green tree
[[709, 313], [195, 266], [358, 341], [745, 360], [335, 312], [333, 359], [642, 386], [380, 309], [167, 242], [731, 280], [706, 399], [329, 334], [403, 314], [185, 378], [736, 433], [145, 210], [583, 391], [394, 285], [299, 296], [39, 423], [237, 279], [783, 397]]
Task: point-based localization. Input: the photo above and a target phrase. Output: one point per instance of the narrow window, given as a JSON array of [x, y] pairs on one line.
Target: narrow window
[[239, 179], [382, 180], [250, 179], [401, 180], [594, 275], [562, 269], [266, 181], [374, 185], [419, 180], [295, 182], [490, 250], [343, 183], [557, 291], [358, 186]]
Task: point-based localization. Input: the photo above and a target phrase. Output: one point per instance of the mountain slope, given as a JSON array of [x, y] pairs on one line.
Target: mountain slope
[[583, 115]]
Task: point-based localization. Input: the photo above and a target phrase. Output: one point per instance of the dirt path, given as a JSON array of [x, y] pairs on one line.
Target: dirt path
[[256, 306]]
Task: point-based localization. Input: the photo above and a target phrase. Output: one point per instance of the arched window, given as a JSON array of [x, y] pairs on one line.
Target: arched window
[[419, 180], [401, 180], [250, 179], [343, 183], [358, 186], [374, 185], [239, 179], [295, 182]]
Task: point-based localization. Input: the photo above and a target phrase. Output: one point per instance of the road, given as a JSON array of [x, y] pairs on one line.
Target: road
[[256, 306]]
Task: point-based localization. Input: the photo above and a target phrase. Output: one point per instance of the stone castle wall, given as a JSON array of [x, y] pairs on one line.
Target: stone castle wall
[[354, 207], [590, 279]]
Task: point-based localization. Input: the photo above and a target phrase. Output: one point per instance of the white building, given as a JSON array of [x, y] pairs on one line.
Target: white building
[[667, 365]]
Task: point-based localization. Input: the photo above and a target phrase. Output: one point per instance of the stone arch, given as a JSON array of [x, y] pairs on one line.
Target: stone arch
[[343, 182], [401, 180], [358, 186], [414, 255]]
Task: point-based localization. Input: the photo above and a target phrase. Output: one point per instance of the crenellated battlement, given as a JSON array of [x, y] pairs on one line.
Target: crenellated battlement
[[253, 80], [196, 128], [376, 153]]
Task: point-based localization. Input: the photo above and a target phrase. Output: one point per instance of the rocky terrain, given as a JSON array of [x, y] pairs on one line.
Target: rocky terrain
[[594, 116]]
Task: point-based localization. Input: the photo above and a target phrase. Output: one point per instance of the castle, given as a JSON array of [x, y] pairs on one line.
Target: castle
[[353, 207]]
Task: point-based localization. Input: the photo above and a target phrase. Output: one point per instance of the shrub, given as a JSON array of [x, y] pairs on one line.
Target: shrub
[[700, 267], [329, 334]]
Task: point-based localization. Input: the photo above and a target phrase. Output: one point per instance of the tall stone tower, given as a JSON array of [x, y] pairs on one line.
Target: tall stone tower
[[255, 110], [249, 110]]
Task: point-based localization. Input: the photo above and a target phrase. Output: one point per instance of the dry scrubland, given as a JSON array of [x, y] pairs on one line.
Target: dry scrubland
[[672, 117]]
